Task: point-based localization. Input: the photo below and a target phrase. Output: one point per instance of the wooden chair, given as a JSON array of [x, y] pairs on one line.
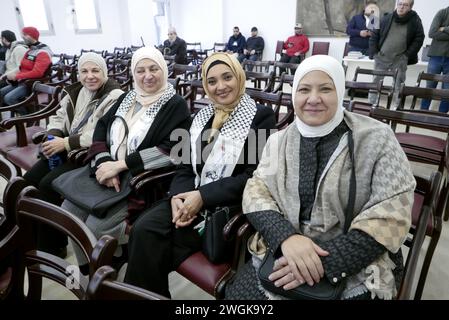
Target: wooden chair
[[21, 245], [104, 286], [354, 88], [23, 153], [425, 152], [263, 81], [281, 67], [274, 101], [258, 66], [285, 79], [320, 47], [195, 53], [218, 47], [196, 96], [278, 51], [387, 90]]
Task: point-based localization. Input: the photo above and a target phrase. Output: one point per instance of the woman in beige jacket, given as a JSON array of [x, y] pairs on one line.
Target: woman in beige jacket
[[73, 125]]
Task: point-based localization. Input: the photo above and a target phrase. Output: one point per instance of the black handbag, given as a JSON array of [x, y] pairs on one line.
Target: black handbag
[[80, 188], [215, 247], [325, 289]]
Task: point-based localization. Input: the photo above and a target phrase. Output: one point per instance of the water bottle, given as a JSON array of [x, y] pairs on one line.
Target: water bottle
[[55, 160]]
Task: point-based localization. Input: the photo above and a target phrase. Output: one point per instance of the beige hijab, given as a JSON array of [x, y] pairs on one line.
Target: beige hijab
[[222, 112], [144, 98]]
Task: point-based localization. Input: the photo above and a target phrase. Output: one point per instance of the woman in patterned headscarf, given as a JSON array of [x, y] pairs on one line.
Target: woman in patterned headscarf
[[132, 137], [214, 175], [331, 198]]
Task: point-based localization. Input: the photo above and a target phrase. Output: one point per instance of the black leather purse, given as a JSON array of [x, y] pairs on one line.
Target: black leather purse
[[215, 247], [325, 289]]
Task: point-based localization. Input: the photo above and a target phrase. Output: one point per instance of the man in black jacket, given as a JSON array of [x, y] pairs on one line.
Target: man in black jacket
[[396, 43], [254, 47], [175, 46]]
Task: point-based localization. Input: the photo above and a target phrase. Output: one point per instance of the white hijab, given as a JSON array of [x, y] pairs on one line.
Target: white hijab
[[144, 98], [334, 69]]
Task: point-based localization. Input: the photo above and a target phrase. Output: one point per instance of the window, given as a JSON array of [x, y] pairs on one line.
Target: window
[[35, 13], [161, 16], [86, 18]]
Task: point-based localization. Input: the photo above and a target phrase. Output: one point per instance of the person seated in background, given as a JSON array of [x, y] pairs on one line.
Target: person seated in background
[[164, 236], [236, 43], [175, 46], [359, 29], [254, 47], [35, 63], [84, 102], [132, 137], [14, 54], [329, 171], [294, 47]]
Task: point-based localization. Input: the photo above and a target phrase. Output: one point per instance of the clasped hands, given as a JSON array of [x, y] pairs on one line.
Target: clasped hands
[[185, 208], [299, 264]]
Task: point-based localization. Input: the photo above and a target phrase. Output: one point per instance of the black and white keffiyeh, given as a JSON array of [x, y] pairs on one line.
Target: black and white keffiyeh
[[230, 142], [138, 131]]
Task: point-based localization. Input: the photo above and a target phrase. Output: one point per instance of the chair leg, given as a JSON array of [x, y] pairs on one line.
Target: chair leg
[[426, 264], [35, 287]]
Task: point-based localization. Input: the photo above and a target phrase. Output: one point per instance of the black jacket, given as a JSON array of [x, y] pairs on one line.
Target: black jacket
[[415, 36], [173, 115], [226, 191], [178, 49]]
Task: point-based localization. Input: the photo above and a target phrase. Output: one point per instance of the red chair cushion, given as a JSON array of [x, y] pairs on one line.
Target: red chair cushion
[[8, 138], [199, 270], [416, 210], [420, 140], [24, 157]]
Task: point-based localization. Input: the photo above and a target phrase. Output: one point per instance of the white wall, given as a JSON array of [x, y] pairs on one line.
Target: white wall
[[65, 40]]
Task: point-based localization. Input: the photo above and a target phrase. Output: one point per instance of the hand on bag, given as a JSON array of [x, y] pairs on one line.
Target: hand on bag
[[109, 169], [50, 148], [113, 182], [283, 275], [192, 204], [303, 257]]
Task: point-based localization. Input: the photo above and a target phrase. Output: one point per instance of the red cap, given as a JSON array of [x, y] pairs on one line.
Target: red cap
[[32, 32]]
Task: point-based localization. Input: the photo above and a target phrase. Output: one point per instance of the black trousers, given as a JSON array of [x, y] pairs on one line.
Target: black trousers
[[288, 59], [156, 248], [41, 177]]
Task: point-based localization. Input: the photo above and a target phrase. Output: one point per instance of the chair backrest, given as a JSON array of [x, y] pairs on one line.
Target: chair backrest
[[258, 66], [186, 72], [420, 93], [431, 77], [261, 80], [289, 67], [429, 191], [354, 88], [104, 286], [320, 47], [219, 46], [30, 212], [278, 51], [346, 49]]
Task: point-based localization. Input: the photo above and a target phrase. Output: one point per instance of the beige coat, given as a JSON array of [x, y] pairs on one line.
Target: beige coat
[[14, 56]]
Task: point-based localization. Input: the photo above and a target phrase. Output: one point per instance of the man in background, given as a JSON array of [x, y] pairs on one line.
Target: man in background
[[396, 44], [236, 43], [359, 29], [175, 46], [34, 65], [294, 47], [439, 54], [254, 47], [14, 55]]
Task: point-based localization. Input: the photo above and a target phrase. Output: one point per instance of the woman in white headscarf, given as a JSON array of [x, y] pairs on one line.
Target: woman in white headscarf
[[138, 127], [328, 167], [84, 102]]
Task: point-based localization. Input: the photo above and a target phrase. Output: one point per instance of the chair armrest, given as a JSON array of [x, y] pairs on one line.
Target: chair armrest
[[152, 176], [20, 104], [77, 156], [231, 228], [38, 137]]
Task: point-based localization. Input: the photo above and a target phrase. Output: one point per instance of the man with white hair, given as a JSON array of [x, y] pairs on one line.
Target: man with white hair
[[396, 44], [175, 46]]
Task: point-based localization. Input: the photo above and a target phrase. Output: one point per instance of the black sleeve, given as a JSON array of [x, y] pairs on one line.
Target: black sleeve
[[349, 254], [418, 39], [212, 193], [181, 56], [273, 227]]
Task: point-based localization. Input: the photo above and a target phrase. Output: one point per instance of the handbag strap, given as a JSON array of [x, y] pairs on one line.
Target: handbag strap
[[352, 187], [108, 133]]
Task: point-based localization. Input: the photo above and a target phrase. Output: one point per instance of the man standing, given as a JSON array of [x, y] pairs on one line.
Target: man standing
[[359, 29], [439, 54], [396, 44], [254, 47], [34, 65], [175, 46], [236, 42], [14, 55]]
